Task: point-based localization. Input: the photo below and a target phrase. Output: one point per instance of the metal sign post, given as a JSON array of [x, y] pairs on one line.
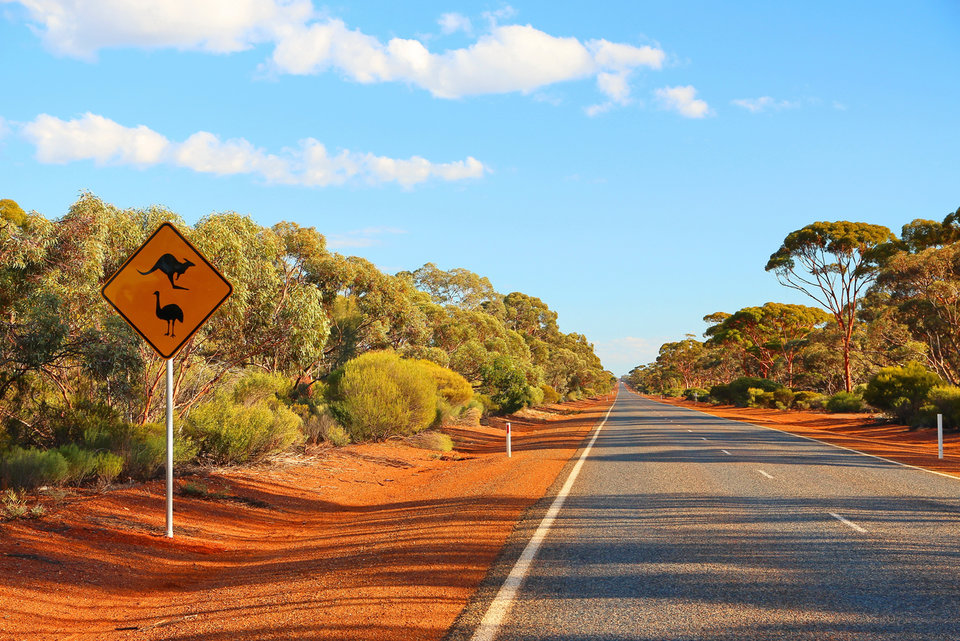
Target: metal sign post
[[509, 454], [170, 448]]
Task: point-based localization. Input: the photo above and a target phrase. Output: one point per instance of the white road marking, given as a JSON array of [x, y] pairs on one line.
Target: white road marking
[[501, 604], [839, 447], [848, 523], [702, 438], [689, 430], [765, 474], [726, 452]]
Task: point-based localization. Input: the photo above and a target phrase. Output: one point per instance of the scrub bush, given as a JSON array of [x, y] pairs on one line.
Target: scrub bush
[[379, 395], [945, 399], [550, 395], [27, 468], [845, 402], [901, 391], [737, 392], [228, 432], [696, 394], [805, 400]]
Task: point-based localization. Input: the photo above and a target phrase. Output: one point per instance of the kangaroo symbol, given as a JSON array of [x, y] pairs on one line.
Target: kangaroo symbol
[[170, 313], [171, 267]]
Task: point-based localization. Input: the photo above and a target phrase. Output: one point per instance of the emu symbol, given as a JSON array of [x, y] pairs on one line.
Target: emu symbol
[[170, 313]]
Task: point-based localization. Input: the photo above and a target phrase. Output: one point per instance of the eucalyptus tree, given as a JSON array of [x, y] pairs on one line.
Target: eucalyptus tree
[[833, 263], [771, 334]]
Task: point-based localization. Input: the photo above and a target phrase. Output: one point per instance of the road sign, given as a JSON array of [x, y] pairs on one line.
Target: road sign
[[166, 290]]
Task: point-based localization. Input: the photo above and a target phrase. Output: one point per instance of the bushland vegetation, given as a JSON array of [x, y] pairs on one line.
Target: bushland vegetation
[[312, 346], [883, 333]]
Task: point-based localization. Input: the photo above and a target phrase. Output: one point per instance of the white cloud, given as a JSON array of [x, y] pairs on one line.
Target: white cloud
[[764, 103], [93, 137], [96, 138], [4, 128], [506, 58], [453, 22], [683, 100], [509, 58], [81, 27]]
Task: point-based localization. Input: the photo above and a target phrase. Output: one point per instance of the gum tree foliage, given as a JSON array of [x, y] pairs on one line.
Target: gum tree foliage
[[680, 361], [297, 311], [478, 332], [771, 334], [833, 263], [920, 281]]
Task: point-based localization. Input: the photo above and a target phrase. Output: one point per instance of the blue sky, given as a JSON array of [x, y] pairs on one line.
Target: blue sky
[[633, 164]]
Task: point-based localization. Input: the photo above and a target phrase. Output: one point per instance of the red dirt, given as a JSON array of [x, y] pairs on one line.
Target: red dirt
[[374, 541], [863, 432]]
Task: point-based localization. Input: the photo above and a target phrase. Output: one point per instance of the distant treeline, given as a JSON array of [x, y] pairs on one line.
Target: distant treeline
[[272, 367], [885, 328]]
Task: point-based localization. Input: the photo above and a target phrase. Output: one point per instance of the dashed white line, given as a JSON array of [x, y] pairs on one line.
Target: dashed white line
[[847, 523], [702, 438], [726, 452], [765, 474]]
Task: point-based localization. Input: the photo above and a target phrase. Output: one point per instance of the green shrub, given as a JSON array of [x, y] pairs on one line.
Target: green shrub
[[256, 387], [84, 465], [451, 387], [29, 468], [573, 395], [783, 398], [757, 397], [550, 395], [737, 392], [507, 381], [901, 391], [378, 395], [805, 400], [141, 448], [845, 402], [696, 394], [335, 435], [945, 399], [226, 432], [486, 404], [673, 392], [430, 440]]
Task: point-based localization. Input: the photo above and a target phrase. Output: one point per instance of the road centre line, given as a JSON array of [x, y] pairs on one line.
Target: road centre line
[[503, 601], [726, 452], [848, 523], [765, 474], [703, 438], [839, 447]]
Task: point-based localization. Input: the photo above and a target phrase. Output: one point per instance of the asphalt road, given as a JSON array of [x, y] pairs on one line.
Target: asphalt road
[[681, 525]]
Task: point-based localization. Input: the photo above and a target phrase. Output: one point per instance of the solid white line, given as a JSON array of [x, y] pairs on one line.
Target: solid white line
[[765, 474], [502, 603], [726, 452], [846, 522]]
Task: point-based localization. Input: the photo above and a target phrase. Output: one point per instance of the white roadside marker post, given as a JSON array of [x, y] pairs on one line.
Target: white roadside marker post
[[169, 448], [939, 435], [509, 454]]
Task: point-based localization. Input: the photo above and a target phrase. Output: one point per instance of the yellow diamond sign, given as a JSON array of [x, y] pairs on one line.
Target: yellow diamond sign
[[166, 290]]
